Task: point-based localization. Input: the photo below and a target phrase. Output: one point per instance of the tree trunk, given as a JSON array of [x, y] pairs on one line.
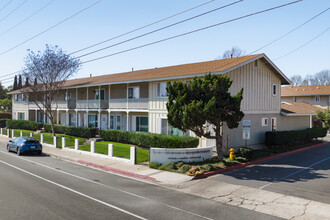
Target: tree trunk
[[218, 139], [51, 119]]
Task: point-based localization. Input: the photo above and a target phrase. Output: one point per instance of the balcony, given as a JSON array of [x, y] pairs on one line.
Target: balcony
[[142, 103], [59, 104], [92, 104]]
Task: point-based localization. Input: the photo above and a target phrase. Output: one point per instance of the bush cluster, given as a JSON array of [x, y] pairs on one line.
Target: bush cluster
[[72, 131], [282, 138], [148, 140], [3, 123], [245, 152], [22, 124]]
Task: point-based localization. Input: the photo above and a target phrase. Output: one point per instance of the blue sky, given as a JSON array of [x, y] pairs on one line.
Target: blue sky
[[111, 18]]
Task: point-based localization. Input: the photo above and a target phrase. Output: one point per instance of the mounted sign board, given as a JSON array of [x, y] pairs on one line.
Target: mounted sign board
[[246, 123], [246, 134]]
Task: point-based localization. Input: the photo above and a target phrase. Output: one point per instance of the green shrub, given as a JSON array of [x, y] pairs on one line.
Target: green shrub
[[282, 138], [144, 139], [5, 115], [179, 164], [22, 124], [3, 123], [208, 167], [245, 152], [170, 166], [184, 168], [154, 165], [72, 131]]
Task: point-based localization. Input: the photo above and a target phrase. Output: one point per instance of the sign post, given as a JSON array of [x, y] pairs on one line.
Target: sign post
[[246, 130]]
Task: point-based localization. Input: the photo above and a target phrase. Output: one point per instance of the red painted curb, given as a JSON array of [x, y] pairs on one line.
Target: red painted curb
[[211, 173], [122, 172]]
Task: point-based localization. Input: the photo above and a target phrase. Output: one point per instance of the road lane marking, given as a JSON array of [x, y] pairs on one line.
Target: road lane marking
[[91, 181], [294, 173], [72, 190]]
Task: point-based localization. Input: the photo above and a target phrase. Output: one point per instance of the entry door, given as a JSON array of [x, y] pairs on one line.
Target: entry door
[[62, 118], [124, 123], [104, 121]]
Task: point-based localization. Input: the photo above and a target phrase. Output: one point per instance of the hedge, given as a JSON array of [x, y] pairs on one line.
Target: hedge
[[72, 131], [22, 124], [281, 138], [148, 140], [6, 115], [3, 123]]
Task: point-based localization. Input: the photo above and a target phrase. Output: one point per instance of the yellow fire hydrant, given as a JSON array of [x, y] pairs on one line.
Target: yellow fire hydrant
[[232, 155]]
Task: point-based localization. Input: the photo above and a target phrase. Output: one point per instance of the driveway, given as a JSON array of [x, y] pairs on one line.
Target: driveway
[[305, 174]]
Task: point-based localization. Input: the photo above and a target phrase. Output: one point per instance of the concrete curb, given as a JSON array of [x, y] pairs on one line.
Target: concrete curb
[[115, 170], [227, 169]]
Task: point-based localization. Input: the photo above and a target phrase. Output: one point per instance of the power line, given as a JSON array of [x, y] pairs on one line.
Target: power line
[[6, 5], [154, 31], [290, 31], [142, 27], [298, 48], [190, 32], [42, 8], [15, 9], [57, 24]]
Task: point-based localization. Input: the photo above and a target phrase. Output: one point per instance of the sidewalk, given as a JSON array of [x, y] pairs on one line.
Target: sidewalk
[[263, 201]]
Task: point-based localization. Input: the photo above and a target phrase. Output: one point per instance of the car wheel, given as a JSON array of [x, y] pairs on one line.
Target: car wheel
[[39, 152], [19, 151], [8, 149]]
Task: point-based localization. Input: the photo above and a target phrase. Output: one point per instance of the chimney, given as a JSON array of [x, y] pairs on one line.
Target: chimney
[[231, 55], [132, 69], [90, 75]]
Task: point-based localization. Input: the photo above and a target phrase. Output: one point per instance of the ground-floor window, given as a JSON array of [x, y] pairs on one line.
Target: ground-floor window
[[112, 122], [168, 129], [141, 124], [92, 121], [20, 115], [118, 122], [72, 119]]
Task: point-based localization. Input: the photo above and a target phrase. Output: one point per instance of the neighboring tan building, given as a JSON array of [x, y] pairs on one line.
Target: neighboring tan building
[[317, 95], [136, 100]]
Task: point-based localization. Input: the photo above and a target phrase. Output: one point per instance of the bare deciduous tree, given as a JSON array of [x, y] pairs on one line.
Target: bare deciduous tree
[[46, 73], [233, 52], [296, 80], [323, 77]]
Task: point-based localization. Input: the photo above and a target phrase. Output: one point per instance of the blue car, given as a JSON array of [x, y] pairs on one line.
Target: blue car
[[22, 145]]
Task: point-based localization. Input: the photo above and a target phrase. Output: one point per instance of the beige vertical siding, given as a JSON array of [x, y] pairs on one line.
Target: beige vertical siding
[[153, 120], [156, 103], [323, 103]]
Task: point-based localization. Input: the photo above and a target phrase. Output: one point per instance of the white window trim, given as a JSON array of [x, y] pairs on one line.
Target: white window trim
[[319, 98], [164, 97], [262, 122], [132, 87], [275, 90]]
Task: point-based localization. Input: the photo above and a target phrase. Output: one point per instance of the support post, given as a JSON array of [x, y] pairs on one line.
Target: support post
[[76, 144], [36, 115], [110, 150], [42, 138], [127, 121], [67, 118], [132, 157], [63, 142], [55, 142], [1, 131], [21, 134], [13, 133], [31, 134], [8, 132], [58, 117], [99, 120], [93, 147]]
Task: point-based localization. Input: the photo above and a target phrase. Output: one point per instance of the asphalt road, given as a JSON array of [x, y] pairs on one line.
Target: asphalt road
[[304, 174], [40, 187]]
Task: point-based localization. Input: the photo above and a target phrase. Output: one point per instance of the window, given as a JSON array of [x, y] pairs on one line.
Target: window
[[20, 115], [294, 99], [317, 98], [133, 92], [67, 96], [112, 122], [98, 93], [264, 122], [72, 119], [118, 122], [166, 128], [141, 124], [256, 63], [92, 121], [16, 97], [274, 90], [161, 89], [274, 124], [23, 97]]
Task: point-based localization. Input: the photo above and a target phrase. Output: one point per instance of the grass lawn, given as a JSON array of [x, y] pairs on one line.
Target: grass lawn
[[69, 140], [17, 132], [119, 150]]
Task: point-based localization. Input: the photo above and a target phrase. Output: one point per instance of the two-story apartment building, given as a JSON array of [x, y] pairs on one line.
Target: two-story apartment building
[[317, 95], [136, 100]]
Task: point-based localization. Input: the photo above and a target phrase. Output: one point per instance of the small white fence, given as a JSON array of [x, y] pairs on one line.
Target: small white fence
[[110, 155]]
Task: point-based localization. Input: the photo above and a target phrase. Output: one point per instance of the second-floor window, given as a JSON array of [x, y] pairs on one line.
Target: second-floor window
[[23, 97], [161, 89], [67, 96], [16, 97], [317, 98], [133, 92], [99, 94]]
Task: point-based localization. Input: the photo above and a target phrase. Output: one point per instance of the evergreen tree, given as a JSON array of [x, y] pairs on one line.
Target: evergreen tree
[[26, 82], [19, 82], [15, 83], [204, 104]]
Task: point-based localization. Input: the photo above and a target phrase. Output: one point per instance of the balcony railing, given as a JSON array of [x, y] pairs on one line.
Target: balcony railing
[[142, 103], [92, 104], [59, 104]]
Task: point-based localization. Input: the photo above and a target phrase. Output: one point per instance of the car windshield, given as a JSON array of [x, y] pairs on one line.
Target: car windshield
[[31, 140]]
